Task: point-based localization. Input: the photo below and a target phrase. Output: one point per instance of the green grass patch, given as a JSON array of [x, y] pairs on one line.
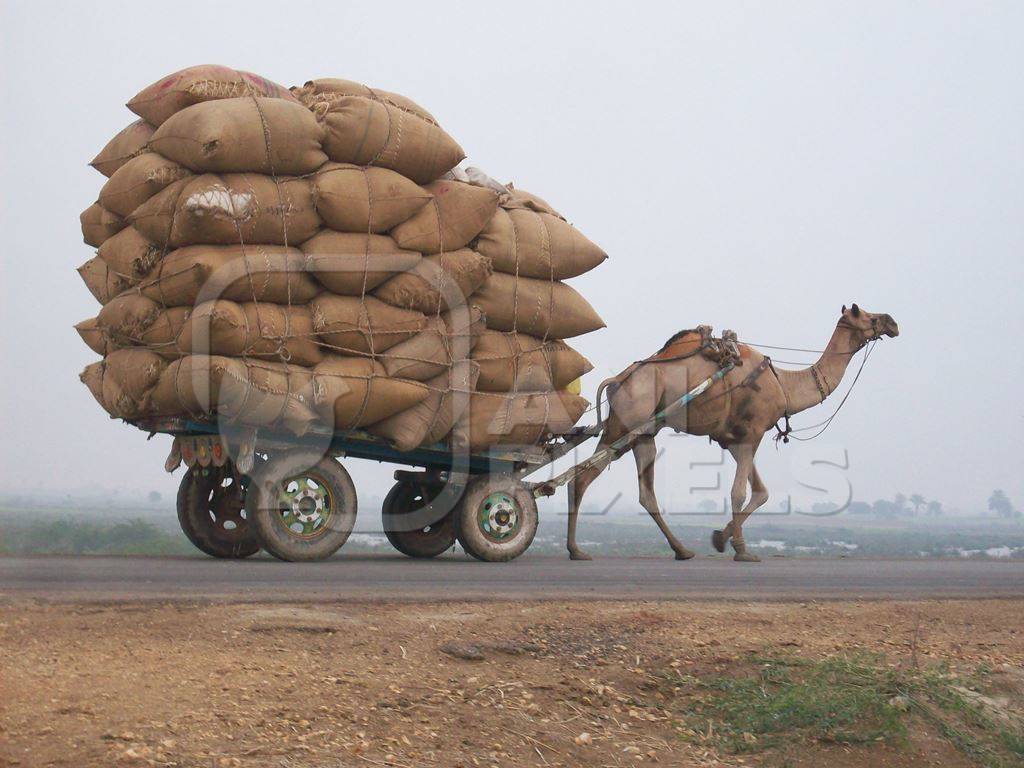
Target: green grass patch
[[72, 536], [851, 700]]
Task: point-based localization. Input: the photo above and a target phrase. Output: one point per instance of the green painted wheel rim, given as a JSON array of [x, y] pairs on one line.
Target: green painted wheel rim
[[499, 517], [306, 505]]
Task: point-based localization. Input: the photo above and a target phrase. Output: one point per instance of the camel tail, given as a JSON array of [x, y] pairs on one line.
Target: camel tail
[[600, 392]]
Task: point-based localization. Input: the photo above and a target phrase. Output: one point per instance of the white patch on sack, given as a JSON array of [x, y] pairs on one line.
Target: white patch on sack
[[221, 202]]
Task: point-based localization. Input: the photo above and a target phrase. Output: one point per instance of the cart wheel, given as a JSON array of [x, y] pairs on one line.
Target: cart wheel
[[409, 524], [303, 508], [496, 519], [211, 513]]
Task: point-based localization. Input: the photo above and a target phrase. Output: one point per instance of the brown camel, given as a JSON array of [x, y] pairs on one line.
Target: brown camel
[[736, 412]]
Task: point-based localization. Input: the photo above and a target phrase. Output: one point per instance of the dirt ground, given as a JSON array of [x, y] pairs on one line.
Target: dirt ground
[[440, 684]]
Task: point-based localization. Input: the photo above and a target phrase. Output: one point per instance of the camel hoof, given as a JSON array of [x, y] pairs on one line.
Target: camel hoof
[[579, 556], [746, 557], [685, 554], [718, 540]]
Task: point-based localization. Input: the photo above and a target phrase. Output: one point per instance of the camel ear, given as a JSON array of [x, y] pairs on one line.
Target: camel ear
[[843, 310], [855, 310]]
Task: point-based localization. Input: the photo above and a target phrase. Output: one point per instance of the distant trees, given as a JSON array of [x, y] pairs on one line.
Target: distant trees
[[1000, 503], [934, 508], [154, 497], [916, 501]]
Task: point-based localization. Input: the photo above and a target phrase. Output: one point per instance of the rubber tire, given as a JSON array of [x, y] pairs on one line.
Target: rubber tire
[[261, 507], [194, 518], [401, 500], [468, 532]]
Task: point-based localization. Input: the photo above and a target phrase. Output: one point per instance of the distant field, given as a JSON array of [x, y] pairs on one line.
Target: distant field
[[154, 531]]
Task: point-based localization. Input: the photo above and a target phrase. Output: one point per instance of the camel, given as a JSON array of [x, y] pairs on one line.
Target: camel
[[736, 412]]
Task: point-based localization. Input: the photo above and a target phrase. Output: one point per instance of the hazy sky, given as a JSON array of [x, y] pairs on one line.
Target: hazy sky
[[749, 165]]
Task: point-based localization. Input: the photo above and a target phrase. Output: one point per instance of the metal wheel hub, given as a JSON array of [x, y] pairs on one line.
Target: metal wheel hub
[[306, 505], [499, 517]]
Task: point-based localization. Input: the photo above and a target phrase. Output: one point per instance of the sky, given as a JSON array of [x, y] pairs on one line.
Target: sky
[[751, 166]]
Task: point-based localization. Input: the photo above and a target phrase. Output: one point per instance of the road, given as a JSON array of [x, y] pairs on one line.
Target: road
[[385, 577]]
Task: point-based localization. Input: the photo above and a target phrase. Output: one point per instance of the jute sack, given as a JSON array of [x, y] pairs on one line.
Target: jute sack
[[123, 380], [536, 307], [445, 340], [98, 224], [518, 419], [138, 180], [125, 318], [457, 213], [352, 198], [520, 199], [256, 393], [243, 135], [430, 421], [368, 132], [362, 325], [193, 85], [352, 264], [128, 143], [517, 362], [333, 89], [130, 254], [437, 283], [163, 334], [352, 392], [522, 242], [233, 208], [258, 330], [266, 273], [101, 280], [94, 337]]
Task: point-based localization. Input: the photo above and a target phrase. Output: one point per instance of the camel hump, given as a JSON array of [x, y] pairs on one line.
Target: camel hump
[[683, 343]]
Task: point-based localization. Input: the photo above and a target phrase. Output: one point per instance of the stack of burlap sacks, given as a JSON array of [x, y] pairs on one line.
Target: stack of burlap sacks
[[313, 256]]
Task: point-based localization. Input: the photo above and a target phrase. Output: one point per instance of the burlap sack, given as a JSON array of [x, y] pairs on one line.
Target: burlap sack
[[519, 419], [536, 307], [205, 82], [519, 199], [265, 273], [233, 208], [125, 318], [98, 224], [515, 362], [333, 89], [101, 280], [437, 283], [352, 392], [522, 242], [244, 135], [128, 143], [94, 337], [138, 180], [457, 214], [130, 254], [446, 339], [367, 132], [430, 421], [351, 264], [256, 393], [352, 198], [163, 334], [251, 330], [123, 380], [364, 325]]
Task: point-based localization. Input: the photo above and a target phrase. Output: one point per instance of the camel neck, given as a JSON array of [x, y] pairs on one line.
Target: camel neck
[[809, 387]]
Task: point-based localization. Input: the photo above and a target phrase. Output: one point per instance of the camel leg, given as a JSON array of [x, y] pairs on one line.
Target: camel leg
[[645, 452], [746, 472], [577, 487]]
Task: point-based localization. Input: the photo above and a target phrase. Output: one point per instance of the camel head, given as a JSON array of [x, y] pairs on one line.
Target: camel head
[[871, 326]]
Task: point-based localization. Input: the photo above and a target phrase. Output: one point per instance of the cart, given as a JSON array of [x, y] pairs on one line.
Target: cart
[[247, 489]]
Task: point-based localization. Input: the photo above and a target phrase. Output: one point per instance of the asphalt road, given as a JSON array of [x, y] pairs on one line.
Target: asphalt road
[[387, 577]]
